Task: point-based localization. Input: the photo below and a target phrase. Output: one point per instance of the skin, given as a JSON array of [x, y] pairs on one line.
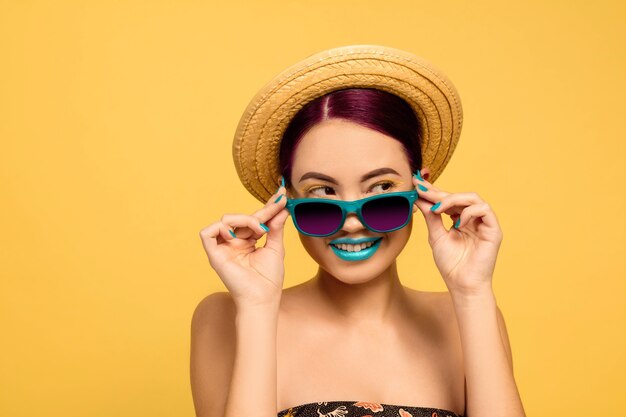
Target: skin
[[353, 331], [355, 311]]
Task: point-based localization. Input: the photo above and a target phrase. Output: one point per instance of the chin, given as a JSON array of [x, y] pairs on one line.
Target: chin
[[352, 276]]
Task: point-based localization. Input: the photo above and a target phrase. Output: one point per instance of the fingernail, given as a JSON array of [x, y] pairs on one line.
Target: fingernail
[[421, 187], [418, 175], [435, 207], [267, 229], [456, 224], [278, 199], [232, 233]]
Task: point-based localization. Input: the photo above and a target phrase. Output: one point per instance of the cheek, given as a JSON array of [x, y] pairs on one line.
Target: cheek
[[313, 245], [397, 240]]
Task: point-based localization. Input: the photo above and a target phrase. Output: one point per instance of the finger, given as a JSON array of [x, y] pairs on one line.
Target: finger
[[228, 233], [456, 202], [272, 207], [454, 218], [434, 222], [427, 184], [244, 225], [209, 236], [428, 192], [275, 236], [480, 211]]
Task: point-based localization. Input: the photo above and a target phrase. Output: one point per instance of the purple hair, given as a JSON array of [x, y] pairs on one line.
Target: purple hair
[[376, 109]]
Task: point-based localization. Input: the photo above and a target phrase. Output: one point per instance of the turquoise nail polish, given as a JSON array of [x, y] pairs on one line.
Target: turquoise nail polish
[[435, 207], [418, 175], [421, 187], [278, 199], [267, 229], [232, 233], [456, 224]]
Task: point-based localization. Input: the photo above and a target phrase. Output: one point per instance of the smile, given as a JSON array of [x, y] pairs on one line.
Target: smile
[[350, 254]]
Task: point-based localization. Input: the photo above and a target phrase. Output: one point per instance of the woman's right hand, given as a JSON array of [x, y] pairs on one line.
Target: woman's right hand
[[253, 276]]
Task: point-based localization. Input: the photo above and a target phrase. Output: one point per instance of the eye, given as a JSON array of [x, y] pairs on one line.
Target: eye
[[323, 188], [389, 185]]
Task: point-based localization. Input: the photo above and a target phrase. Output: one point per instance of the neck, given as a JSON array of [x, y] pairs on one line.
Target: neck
[[375, 301]]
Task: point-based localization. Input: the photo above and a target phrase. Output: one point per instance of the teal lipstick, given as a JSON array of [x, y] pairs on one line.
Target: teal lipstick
[[356, 256]]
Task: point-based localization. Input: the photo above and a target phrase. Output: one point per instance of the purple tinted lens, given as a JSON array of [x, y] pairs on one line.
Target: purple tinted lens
[[386, 213], [317, 218]]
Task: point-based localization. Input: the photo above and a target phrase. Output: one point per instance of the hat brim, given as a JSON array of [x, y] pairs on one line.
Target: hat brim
[[425, 88]]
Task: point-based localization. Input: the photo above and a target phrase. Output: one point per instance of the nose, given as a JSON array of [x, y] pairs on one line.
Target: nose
[[352, 223]]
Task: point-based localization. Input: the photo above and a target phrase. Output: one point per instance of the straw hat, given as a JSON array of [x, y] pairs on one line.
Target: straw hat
[[425, 88]]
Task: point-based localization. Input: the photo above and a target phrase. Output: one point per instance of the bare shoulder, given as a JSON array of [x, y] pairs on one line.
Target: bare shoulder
[[212, 353], [436, 305], [436, 299], [213, 317], [220, 303]]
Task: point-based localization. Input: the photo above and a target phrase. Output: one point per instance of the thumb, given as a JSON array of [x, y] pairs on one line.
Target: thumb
[[434, 222], [274, 238]]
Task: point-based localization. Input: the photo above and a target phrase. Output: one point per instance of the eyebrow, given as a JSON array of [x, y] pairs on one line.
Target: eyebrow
[[371, 174]]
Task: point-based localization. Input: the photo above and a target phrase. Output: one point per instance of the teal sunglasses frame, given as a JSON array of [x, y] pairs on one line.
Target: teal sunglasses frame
[[351, 207]]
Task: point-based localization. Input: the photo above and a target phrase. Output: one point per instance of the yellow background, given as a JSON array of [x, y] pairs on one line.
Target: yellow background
[[116, 121]]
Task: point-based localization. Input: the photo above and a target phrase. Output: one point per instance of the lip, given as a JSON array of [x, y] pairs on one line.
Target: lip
[[354, 241], [360, 255]]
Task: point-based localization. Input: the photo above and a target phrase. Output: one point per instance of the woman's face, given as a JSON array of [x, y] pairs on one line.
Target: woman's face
[[345, 152]]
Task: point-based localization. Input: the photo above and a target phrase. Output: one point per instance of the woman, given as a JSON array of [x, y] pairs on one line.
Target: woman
[[352, 340]]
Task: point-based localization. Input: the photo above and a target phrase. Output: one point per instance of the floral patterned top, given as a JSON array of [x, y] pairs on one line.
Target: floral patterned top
[[362, 409]]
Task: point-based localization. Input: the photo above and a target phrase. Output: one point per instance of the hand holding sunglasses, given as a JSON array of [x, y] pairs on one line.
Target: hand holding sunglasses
[[254, 276], [466, 253]]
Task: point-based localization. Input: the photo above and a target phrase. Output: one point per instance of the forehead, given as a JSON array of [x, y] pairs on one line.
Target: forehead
[[341, 147]]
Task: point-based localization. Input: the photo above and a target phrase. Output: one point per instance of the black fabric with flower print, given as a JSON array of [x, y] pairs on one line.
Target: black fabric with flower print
[[362, 409]]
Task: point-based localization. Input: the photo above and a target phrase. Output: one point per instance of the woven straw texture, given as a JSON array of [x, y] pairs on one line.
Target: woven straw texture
[[428, 91]]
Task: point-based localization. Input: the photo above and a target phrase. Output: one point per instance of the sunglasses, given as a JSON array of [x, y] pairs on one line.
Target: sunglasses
[[379, 213]]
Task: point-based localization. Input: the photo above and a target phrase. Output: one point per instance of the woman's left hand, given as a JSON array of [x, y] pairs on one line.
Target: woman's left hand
[[466, 255]]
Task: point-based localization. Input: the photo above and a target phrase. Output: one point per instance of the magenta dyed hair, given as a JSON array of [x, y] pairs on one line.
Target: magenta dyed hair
[[376, 109]]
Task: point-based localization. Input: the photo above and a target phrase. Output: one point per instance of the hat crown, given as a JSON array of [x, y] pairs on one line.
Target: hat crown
[[431, 95]]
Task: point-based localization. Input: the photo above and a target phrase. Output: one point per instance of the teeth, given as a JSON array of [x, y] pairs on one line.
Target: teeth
[[354, 248]]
